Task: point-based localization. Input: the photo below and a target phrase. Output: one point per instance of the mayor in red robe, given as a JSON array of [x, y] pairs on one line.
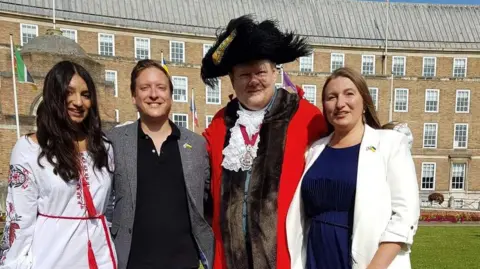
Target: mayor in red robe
[[256, 143]]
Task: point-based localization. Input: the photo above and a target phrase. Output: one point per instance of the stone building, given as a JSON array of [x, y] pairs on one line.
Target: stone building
[[424, 72]]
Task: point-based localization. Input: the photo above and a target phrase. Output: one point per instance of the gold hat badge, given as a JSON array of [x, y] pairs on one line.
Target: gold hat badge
[[220, 51]]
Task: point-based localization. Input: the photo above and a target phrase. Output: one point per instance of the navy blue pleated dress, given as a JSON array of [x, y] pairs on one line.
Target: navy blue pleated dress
[[328, 193]]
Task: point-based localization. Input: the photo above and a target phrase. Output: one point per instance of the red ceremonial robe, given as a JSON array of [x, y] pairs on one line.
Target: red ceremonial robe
[[289, 127]]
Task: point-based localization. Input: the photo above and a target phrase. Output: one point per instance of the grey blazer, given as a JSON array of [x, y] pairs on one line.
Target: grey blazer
[[196, 169]]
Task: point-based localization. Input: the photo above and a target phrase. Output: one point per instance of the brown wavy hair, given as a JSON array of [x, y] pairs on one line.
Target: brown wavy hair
[[371, 118], [56, 133]]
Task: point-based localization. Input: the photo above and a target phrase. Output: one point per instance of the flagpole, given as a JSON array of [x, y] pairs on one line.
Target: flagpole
[[14, 81], [390, 109], [386, 37], [54, 25], [193, 111]]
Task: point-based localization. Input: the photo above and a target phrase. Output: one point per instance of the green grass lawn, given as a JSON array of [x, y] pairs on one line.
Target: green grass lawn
[[448, 247]]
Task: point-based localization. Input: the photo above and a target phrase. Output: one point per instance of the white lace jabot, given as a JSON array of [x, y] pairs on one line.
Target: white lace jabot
[[236, 148]]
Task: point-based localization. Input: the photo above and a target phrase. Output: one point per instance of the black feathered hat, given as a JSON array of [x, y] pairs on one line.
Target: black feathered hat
[[245, 40]]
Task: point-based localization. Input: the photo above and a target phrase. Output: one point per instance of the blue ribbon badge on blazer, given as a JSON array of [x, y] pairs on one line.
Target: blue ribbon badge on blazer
[[187, 146], [371, 148]]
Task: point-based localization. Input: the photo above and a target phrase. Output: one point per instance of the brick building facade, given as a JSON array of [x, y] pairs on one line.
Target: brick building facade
[[435, 89]]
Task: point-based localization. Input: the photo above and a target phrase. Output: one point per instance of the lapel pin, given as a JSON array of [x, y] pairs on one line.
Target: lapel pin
[[371, 148], [187, 146]]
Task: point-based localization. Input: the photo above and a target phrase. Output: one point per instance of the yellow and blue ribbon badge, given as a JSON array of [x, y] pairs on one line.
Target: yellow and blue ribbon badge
[[187, 146], [371, 148]]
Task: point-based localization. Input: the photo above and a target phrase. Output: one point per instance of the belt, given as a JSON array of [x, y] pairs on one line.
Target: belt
[[105, 230]]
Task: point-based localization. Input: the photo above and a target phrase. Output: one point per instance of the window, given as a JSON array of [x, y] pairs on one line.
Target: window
[[374, 95], [310, 93], [462, 103], [106, 44], [401, 100], [459, 67], [206, 48], [336, 61], [430, 135], [117, 115], [431, 100], [142, 48], [177, 51], [368, 64], [460, 136], [69, 33], [458, 176], [429, 66], [28, 32], [180, 86], [306, 63], [111, 78], [180, 120], [213, 95], [208, 120], [428, 176], [398, 65]]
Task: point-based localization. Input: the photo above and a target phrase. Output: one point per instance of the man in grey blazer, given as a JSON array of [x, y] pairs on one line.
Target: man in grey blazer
[[159, 180]]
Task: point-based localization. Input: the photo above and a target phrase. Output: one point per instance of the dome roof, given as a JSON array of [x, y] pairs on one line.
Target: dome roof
[[54, 43]]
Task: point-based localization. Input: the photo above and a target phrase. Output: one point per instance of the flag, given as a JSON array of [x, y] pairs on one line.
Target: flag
[[287, 83], [22, 71], [164, 63], [193, 111]]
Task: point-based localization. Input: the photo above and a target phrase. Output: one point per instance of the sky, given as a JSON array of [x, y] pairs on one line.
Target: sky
[[459, 2]]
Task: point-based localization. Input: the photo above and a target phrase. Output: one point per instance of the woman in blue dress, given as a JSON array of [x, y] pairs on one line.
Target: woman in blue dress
[[359, 191]]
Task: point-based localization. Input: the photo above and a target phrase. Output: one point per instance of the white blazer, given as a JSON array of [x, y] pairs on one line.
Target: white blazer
[[387, 205]]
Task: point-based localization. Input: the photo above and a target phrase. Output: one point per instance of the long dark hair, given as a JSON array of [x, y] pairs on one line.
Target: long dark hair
[[57, 133], [371, 118]]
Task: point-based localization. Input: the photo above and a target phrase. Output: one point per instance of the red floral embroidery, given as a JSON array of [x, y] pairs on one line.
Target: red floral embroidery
[[83, 176], [12, 225], [18, 176]]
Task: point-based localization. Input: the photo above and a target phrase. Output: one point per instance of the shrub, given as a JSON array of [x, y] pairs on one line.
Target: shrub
[[449, 216], [437, 197]]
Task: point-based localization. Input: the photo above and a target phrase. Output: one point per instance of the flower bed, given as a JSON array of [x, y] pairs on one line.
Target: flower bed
[[449, 216]]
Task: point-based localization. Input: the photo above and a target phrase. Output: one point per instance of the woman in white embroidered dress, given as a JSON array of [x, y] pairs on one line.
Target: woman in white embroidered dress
[[59, 181]]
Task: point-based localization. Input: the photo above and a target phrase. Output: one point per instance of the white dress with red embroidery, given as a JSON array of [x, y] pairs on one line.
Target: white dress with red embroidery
[[47, 224]]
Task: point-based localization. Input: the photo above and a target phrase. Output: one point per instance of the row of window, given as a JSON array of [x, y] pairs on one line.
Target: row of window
[[457, 180], [432, 100], [142, 50], [180, 88], [213, 94], [106, 43], [430, 130], [460, 135], [399, 65]]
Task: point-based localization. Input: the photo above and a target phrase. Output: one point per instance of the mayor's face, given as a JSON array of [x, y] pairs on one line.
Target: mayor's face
[[254, 83]]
